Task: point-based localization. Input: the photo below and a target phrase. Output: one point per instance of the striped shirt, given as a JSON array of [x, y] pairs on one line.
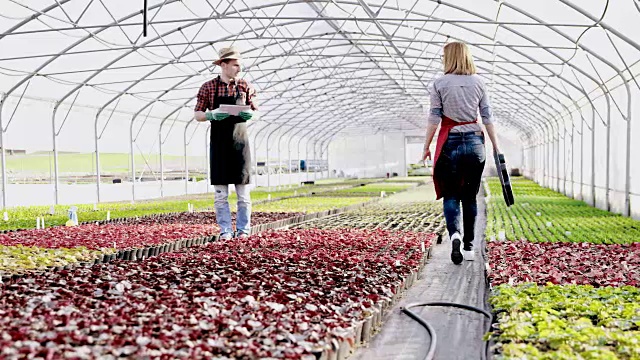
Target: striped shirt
[[460, 98]]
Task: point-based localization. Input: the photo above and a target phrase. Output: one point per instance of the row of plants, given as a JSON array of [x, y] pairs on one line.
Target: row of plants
[[24, 259], [31, 250], [409, 179], [424, 217], [278, 294], [567, 322], [518, 262], [543, 215], [25, 217], [26, 250], [310, 204], [377, 188], [565, 277]]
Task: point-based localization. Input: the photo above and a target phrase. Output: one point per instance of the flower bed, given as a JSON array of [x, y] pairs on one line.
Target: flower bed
[[567, 322], [425, 217], [516, 262], [283, 294], [25, 217], [21, 259], [29, 250], [542, 215]]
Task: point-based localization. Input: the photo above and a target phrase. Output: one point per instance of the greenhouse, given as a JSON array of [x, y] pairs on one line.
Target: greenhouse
[[123, 123]]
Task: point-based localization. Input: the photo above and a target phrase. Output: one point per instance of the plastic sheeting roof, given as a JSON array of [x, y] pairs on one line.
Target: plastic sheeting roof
[[342, 66]]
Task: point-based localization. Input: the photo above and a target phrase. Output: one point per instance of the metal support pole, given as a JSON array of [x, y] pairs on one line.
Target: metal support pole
[[593, 161], [582, 153], [133, 163], [573, 122], [56, 182], [267, 163], [315, 159], [161, 161], [3, 159], [306, 155], [255, 148], [325, 145], [145, 10], [279, 162], [327, 155], [96, 140], [608, 163], [290, 163], [557, 159], [627, 185], [405, 172], [186, 161]]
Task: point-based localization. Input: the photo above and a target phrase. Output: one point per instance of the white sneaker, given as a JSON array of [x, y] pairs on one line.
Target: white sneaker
[[456, 244], [468, 255], [225, 237]]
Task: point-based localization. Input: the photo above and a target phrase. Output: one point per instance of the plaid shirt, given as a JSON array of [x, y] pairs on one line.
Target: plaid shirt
[[207, 93]]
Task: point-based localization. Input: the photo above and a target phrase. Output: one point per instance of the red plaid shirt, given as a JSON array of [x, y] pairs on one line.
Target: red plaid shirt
[[207, 93]]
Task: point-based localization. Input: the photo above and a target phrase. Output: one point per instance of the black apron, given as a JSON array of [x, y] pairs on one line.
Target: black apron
[[230, 158]]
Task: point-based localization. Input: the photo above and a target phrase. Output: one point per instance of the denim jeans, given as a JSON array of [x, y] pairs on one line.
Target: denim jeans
[[460, 165], [223, 213]]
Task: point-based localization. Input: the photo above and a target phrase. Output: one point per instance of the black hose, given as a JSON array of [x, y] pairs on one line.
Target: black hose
[[432, 333]]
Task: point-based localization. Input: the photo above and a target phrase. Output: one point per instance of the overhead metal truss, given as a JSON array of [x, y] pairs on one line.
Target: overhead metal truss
[[339, 66]]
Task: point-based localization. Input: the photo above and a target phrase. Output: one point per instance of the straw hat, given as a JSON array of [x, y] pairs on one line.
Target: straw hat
[[228, 53]]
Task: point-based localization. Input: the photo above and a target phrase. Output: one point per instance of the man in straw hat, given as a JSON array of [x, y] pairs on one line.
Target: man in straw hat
[[230, 159]]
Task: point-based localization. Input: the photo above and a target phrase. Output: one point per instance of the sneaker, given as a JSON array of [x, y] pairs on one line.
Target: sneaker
[[225, 236], [456, 255], [242, 235], [468, 254]]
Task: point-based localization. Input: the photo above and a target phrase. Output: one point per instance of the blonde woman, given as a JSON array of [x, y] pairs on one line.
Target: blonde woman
[[456, 99]]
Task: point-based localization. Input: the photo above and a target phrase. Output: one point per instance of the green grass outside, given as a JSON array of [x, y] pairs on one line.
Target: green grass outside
[[84, 163]]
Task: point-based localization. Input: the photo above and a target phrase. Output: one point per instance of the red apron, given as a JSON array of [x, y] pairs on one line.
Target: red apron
[[445, 127]]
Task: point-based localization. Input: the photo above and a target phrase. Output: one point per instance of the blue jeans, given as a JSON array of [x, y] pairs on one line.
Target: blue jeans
[[223, 213], [460, 166]]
